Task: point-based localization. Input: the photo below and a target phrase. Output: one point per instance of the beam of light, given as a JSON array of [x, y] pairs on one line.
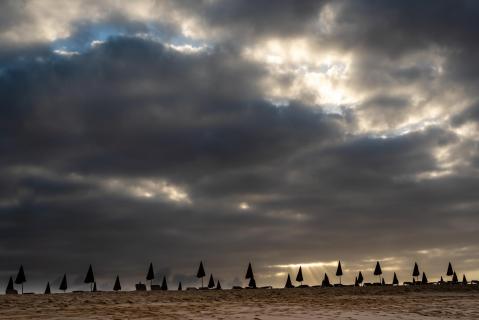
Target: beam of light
[[320, 264]]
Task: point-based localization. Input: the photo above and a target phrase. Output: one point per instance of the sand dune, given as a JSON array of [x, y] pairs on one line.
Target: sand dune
[[312, 303]]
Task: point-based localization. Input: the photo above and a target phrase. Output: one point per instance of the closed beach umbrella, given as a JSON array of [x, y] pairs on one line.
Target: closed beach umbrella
[[288, 283], [218, 285], [299, 276], [90, 278], [151, 274], [450, 271], [424, 279], [164, 285], [180, 287], [201, 272], [63, 284], [377, 271], [415, 272], [360, 278], [10, 285], [47, 289], [211, 283], [20, 279], [326, 282], [395, 279], [339, 271], [454, 278], [117, 285]]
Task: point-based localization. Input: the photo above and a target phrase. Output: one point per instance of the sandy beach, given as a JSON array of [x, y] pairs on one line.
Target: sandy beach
[[310, 303]]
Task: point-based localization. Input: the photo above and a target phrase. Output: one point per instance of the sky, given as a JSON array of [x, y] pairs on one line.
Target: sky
[[284, 133]]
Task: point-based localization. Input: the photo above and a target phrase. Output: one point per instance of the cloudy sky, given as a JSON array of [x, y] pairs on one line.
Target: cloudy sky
[[284, 133]]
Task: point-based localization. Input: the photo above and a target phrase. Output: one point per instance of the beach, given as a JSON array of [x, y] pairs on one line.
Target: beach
[[418, 302]]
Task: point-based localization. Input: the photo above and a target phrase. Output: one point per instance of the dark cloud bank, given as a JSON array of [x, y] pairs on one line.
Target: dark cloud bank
[[81, 135]]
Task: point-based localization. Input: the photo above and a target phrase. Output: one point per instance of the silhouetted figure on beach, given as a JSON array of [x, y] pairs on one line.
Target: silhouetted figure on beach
[[10, 289], [450, 271], [464, 280], [20, 279], [395, 280], [252, 283], [164, 285], [218, 285], [63, 284], [424, 279], [339, 271], [90, 278], [454, 278], [151, 274], [326, 282], [356, 283], [47, 289], [299, 276], [117, 285], [441, 281], [377, 271], [180, 287], [249, 272], [288, 283], [94, 287], [211, 283], [415, 273], [201, 273], [360, 278], [383, 282]]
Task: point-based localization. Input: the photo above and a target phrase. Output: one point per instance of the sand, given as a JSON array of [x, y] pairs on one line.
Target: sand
[[311, 303]]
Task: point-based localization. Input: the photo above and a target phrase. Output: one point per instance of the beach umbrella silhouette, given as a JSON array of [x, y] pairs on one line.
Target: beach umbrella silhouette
[[201, 273], [454, 278], [299, 276], [450, 271], [211, 283], [360, 278], [252, 283], [151, 274], [383, 282], [249, 272], [377, 271], [442, 280], [117, 285], [339, 271], [464, 280], [415, 272], [218, 285], [20, 279], [47, 289], [424, 278], [164, 285], [395, 279], [10, 285], [63, 284], [288, 283], [326, 282], [180, 287], [356, 283], [90, 278]]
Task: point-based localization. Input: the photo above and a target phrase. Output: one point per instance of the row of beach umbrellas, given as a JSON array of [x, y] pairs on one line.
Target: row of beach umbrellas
[[20, 279]]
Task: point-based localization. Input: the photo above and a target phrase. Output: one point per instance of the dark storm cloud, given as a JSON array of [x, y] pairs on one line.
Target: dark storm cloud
[[279, 18], [80, 135]]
